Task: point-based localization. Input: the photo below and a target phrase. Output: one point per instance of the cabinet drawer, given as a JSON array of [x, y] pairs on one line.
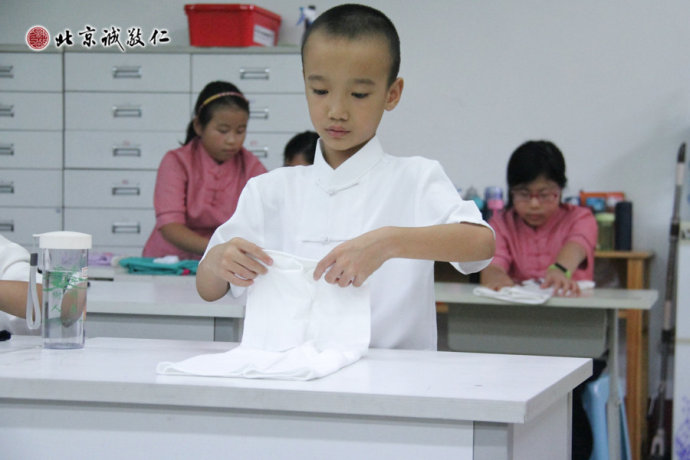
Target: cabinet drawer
[[30, 71], [35, 187], [127, 112], [282, 113], [109, 189], [268, 147], [127, 72], [31, 111], [20, 224], [269, 73], [118, 150], [112, 227], [278, 112], [26, 149]]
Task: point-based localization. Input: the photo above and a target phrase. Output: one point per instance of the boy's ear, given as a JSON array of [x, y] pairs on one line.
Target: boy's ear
[[394, 93]]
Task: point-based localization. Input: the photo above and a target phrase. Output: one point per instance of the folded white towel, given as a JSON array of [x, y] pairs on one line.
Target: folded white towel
[[529, 292], [295, 328]]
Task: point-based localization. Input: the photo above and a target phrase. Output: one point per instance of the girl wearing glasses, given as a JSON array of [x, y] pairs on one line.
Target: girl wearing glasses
[[537, 236]]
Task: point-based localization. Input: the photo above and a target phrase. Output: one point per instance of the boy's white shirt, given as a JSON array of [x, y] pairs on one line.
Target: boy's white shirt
[[14, 266], [14, 261], [308, 210]]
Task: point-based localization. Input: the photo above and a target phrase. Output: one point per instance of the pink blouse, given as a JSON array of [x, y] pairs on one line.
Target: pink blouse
[[194, 190], [525, 252]]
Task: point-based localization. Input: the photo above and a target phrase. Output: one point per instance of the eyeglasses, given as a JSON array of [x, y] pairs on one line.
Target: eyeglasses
[[525, 196]]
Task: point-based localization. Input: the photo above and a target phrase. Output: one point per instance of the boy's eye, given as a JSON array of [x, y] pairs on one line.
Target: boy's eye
[[319, 92], [360, 95]]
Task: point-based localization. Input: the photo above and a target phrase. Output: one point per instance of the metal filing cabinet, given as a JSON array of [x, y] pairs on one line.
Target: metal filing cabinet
[[122, 113], [272, 82], [30, 144]]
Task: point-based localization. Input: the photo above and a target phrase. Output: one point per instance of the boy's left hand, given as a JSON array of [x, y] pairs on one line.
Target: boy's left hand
[[352, 262]]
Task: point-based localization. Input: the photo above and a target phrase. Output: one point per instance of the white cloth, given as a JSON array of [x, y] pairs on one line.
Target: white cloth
[[308, 210], [529, 292], [169, 259], [14, 266], [295, 328]]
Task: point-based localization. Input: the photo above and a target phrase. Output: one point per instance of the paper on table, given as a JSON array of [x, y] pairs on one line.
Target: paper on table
[[295, 328], [528, 292]]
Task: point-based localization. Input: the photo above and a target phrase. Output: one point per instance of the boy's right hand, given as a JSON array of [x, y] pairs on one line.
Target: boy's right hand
[[238, 261]]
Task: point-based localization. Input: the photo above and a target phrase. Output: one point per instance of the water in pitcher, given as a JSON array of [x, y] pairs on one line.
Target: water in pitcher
[[64, 308]]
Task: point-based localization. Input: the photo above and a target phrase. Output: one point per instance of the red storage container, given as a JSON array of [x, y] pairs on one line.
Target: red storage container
[[219, 24]]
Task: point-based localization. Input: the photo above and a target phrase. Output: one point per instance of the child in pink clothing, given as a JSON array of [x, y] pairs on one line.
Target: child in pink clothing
[[537, 236], [198, 184]]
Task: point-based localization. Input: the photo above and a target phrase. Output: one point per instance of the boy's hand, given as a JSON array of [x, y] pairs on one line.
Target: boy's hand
[[237, 261], [352, 262]]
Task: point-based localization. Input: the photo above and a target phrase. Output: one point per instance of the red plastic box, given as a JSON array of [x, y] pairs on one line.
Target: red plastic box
[[222, 24]]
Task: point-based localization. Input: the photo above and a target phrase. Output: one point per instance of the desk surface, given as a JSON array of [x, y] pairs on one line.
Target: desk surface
[[169, 296], [633, 299], [398, 383]]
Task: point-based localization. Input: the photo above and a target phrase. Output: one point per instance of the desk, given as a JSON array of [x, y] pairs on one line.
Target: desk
[[633, 271], [405, 404], [162, 307], [568, 322]]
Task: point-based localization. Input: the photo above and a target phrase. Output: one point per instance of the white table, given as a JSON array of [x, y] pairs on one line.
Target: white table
[[565, 326], [163, 307], [106, 401]]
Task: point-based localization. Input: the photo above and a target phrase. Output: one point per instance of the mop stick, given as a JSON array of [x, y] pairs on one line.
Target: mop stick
[[658, 449]]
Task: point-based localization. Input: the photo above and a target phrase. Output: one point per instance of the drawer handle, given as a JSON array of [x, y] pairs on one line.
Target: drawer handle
[[6, 110], [127, 71], [259, 114], [6, 71], [7, 226], [125, 191], [126, 227], [7, 149], [126, 152], [7, 188], [260, 153], [261, 73], [133, 111]]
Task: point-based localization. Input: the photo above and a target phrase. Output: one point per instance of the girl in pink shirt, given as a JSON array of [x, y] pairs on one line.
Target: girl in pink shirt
[[537, 236], [198, 184]]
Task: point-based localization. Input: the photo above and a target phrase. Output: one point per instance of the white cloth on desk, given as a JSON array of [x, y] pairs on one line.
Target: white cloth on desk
[[529, 292], [295, 328]]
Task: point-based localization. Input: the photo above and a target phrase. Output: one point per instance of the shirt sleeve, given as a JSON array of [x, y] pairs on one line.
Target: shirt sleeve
[[502, 255], [247, 222], [584, 231], [254, 166], [170, 194], [441, 203], [14, 261]]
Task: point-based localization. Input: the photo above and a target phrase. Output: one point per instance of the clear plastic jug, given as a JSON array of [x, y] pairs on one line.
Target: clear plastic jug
[[64, 261]]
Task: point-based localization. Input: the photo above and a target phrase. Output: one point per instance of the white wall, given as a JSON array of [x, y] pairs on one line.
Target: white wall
[[609, 82]]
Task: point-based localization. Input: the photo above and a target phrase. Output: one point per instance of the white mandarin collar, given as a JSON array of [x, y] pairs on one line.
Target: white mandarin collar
[[350, 171]]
